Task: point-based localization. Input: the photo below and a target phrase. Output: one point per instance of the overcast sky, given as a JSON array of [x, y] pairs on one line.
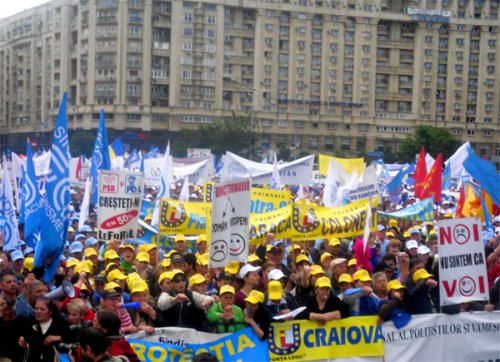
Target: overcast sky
[[11, 7]]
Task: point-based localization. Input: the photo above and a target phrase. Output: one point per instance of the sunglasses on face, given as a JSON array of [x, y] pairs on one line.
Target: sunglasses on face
[[179, 280]]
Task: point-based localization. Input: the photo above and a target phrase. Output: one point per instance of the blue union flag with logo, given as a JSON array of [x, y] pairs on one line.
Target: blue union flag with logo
[[56, 202]]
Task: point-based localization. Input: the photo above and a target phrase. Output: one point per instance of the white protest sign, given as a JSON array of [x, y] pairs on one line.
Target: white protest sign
[[119, 202], [462, 264], [230, 220]]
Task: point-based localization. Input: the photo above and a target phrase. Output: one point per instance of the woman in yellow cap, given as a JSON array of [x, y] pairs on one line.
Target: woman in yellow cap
[[144, 315], [256, 316], [394, 308], [324, 306]]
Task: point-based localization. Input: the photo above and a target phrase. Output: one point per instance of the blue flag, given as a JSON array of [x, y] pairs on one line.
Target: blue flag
[[55, 219], [485, 174], [446, 179], [395, 187], [133, 158], [100, 156], [8, 211], [31, 201]]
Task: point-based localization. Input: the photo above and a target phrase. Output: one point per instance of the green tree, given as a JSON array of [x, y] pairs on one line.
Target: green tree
[[284, 153], [236, 134], [434, 139]]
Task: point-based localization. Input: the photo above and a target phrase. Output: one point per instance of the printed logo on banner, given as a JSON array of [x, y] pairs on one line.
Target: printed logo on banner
[[132, 186], [109, 183], [172, 215], [304, 220], [155, 171], [284, 340]]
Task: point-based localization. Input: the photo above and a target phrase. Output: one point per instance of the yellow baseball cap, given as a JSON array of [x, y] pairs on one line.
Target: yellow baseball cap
[[147, 247], [131, 278], [432, 232], [352, 262], [316, 269], [255, 297], [196, 279], [324, 256], [406, 234], [345, 278], [116, 274], [394, 285], [333, 242], [71, 262], [165, 263], [111, 255], [421, 274], [28, 263], [323, 282], [71, 229], [389, 234], [275, 290], [175, 272], [393, 223], [165, 275], [253, 258], [302, 258], [143, 257], [202, 259], [296, 247], [127, 246], [180, 237], [201, 238], [362, 275], [232, 267], [88, 252], [111, 266], [226, 289], [111, 286], [139, 286], [82, 266]]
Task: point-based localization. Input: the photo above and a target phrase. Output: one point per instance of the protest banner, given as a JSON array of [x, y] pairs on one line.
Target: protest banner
[[196, 172], [119, 202], [229, 225], [262, 200], [266, 200], [310, 221], [278, 222], [182, 217], [291, 173], [462, 263], [440, 337], [419, 211], [349, 165], [306, 340]]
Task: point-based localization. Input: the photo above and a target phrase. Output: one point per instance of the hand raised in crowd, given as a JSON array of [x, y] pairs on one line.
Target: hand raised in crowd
[[181, 297], [367, 290], [269, 239], [146, 308], [228, 314], [431, 283], [207, 303], [51, 339]]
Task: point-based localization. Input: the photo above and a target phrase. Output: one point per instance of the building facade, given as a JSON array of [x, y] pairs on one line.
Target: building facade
[[343, 76]]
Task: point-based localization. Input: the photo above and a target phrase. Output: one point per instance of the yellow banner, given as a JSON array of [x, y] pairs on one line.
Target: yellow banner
[[277, 222], [310, 221], [348, 164], [344, 338], [178, 217], [266, 200]]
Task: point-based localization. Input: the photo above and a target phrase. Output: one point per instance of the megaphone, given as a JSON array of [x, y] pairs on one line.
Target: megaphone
[[133, 305], [65, 290]]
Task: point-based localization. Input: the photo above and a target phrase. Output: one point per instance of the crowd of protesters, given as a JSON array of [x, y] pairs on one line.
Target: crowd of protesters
[[123, 287]]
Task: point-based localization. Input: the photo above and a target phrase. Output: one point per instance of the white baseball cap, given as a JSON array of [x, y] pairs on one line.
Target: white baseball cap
[[248, 268], [276, 274], [422, 249], [410, 244]]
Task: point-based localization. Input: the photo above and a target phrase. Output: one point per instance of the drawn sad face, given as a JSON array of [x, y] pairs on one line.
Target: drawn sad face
[[237, 245], [461, 234], [219, 250]]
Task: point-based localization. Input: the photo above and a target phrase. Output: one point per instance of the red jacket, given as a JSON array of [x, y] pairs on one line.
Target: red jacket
[[121, 347]]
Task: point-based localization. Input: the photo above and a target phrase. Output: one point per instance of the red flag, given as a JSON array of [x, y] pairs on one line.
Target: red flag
[[420, 173], [431, 186], [460, 204], [79, 169]]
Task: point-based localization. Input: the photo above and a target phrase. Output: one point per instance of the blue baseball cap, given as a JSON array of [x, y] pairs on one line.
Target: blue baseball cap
[[90, 242], [16, 255], [76, 247]]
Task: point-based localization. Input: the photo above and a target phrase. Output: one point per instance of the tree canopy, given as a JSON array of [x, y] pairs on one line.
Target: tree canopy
[[236, 134], [434, 139]]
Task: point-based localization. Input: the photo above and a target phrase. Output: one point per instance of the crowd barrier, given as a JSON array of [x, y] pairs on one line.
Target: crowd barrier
[[471, 337]]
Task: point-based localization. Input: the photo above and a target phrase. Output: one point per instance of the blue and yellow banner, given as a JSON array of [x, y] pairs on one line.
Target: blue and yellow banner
[[157, 352], [267, 200], [178, 217], [306, 340], [419, 211]]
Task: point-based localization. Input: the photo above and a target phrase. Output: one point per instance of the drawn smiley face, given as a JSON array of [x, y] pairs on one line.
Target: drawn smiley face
[[237, 245], [467, 286], [219, 250], [461, 234]]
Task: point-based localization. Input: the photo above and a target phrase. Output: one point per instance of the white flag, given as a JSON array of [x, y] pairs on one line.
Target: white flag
[[84, 208], [164, 191], [8, 211], [366, 234], [276, 179], [184, 195]]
